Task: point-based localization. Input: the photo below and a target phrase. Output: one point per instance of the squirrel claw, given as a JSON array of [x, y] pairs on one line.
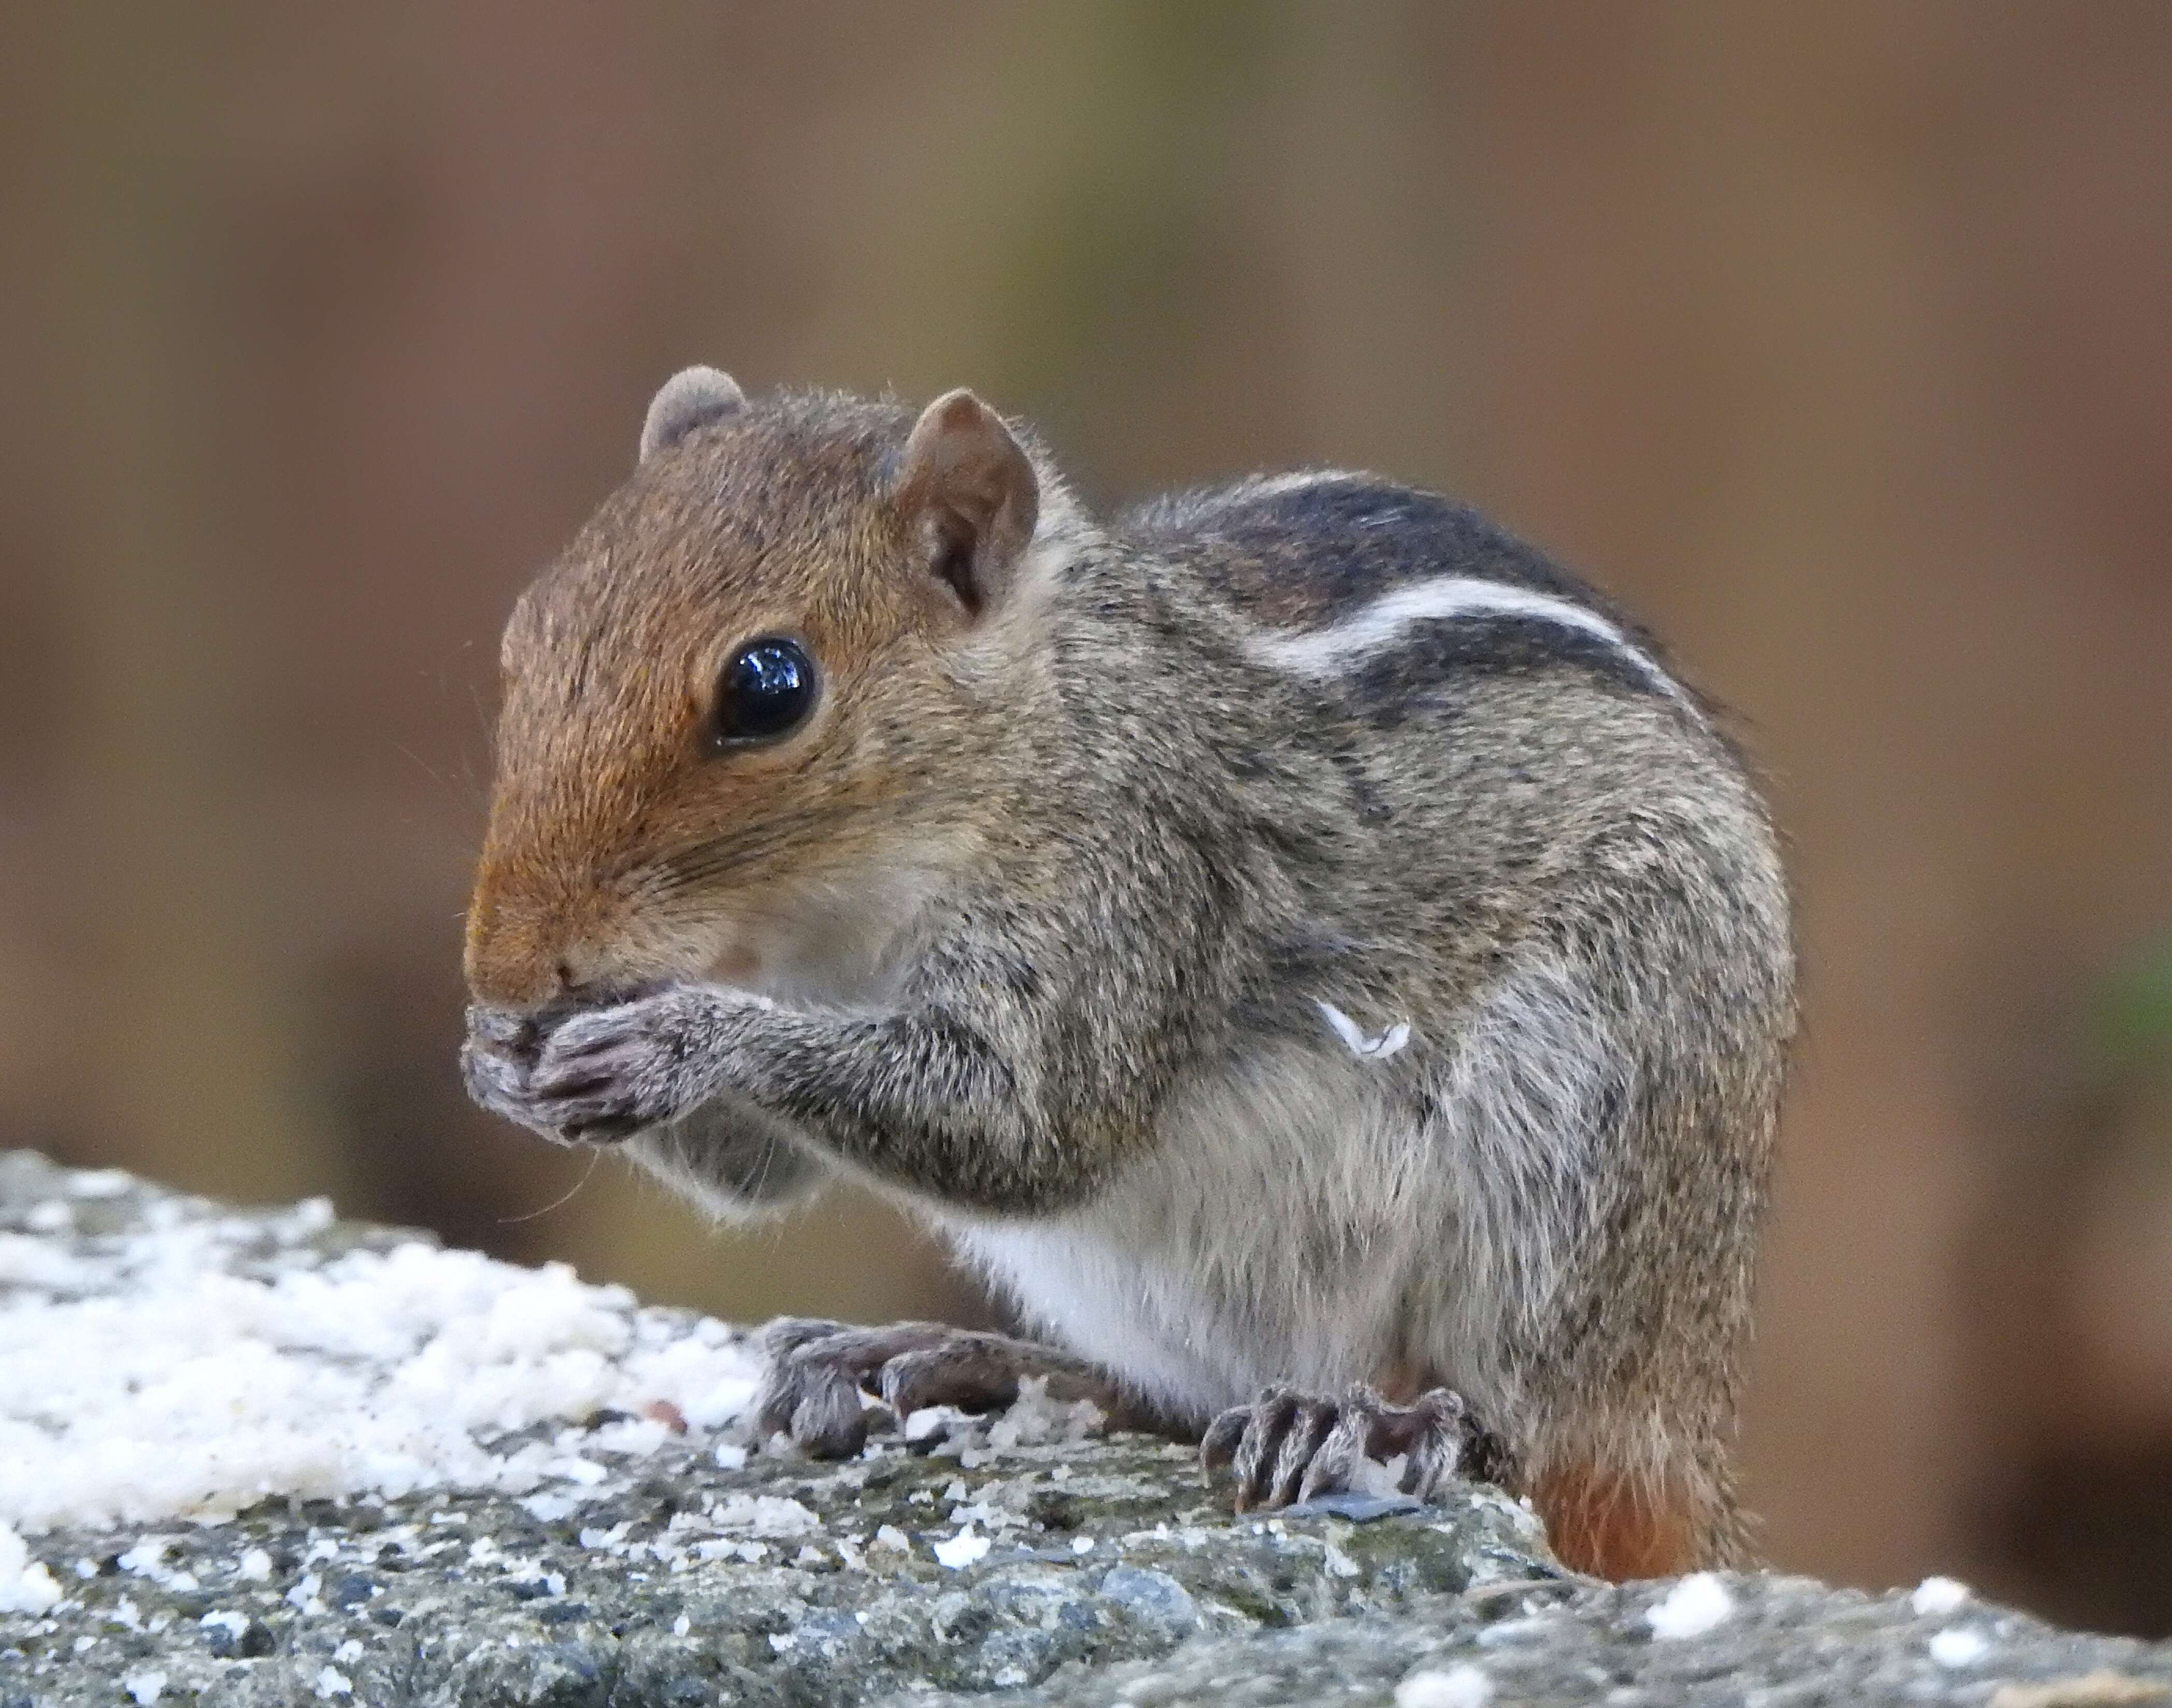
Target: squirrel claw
[[603, 1074], [1287, 1446], [499, 1084], [498, 1066], [819, 1370]]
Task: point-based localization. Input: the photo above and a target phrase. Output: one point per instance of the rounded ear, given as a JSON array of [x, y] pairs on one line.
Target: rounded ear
[[971, 498], [969, 491], [690, 398]]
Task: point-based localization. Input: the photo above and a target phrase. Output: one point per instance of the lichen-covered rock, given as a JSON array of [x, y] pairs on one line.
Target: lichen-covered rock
[[600, 1531], [516, 1489], [1767, 1641], [779, 1581]]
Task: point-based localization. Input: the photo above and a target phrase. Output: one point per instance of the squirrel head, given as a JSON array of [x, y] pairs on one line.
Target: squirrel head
[[745, 713]]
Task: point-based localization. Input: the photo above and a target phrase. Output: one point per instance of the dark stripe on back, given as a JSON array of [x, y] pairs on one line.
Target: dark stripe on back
[[1431, 656], [1316, 555]]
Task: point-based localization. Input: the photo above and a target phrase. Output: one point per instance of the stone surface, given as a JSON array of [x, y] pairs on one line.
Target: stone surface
[[631, 1568]]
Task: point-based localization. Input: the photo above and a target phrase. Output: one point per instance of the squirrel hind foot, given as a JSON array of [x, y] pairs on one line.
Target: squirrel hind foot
[[818, 1371], [1289, 1447]]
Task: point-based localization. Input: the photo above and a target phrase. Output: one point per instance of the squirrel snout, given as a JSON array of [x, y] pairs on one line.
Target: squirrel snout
[[519, 983], [516, 973], [531, 961], [519, 958]]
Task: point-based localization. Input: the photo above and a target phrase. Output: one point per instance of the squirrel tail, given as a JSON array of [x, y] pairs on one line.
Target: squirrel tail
[[1617, 1526]]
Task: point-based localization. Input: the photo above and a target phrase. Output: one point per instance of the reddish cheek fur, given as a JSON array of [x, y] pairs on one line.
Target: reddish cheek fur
[[506, 961], [525, 911]]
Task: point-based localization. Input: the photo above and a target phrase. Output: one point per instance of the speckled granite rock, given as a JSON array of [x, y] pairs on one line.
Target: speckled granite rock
[[1786, 1642], [614, 1562], [471, 1599]]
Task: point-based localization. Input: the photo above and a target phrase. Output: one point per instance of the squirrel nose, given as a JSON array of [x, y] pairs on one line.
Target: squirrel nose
[[510, 970], [533, 946], [515, 966], [506, 973], [516, 960], [585, 978]]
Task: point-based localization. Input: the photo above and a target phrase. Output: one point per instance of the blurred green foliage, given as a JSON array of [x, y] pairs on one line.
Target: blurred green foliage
[[2134, 1021]]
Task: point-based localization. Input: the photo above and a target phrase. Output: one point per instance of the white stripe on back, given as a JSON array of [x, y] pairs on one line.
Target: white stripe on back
[[1274, 486], [1383, 624]]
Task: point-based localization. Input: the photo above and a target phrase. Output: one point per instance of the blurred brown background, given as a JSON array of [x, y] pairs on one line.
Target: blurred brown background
[[1834, 339]]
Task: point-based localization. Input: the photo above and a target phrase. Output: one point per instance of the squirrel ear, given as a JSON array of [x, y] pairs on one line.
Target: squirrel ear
[[971, 495], [690, 398]]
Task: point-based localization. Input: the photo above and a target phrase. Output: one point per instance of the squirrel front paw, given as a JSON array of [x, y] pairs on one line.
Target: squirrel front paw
[[606, 1073], [1288, 1447], [602, 1075], [497, 1059]]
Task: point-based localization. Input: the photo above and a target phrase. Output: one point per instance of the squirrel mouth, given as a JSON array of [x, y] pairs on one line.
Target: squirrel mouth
[[519, 1034]]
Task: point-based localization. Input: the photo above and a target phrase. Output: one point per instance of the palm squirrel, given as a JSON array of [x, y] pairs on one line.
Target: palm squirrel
[[1312, 954]]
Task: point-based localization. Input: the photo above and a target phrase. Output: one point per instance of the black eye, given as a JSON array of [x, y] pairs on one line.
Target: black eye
[[766, 690]]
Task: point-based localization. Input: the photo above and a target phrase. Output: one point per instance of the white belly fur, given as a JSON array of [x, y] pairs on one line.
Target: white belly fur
[[1274, 1234]]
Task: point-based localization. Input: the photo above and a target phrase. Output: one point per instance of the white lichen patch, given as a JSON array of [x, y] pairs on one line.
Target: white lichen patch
[[1464, 1686], [199, 1362], [25, 1585], [764, 1515], [1936, 1597], [1032, 1419], [1697, 1605], [957, 1552]]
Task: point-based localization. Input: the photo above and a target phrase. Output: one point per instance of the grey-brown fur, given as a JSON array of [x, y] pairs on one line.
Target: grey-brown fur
[[1046, 902]]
